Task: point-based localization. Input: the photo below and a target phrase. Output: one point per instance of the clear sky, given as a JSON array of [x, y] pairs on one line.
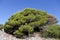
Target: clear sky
[[9, 7]]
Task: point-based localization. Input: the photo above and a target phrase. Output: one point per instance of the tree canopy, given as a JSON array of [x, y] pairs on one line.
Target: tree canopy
[[28, 21]]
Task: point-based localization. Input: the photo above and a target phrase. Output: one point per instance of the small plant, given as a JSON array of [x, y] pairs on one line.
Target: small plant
[[1, 26], [52, 31]]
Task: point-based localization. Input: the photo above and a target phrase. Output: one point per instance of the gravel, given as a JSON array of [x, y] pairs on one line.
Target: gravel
[[5, 36]]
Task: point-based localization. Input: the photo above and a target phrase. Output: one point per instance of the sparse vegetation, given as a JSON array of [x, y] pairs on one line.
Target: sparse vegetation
[[1, 26], [52, 31]]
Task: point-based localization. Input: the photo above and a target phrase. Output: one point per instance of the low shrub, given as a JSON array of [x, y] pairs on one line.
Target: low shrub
[[52, 31]]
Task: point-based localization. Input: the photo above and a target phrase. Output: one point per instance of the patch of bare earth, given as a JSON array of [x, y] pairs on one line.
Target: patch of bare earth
[[5, 36]]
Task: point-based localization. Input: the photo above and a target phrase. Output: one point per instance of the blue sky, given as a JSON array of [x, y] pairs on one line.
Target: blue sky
[[9, 7]]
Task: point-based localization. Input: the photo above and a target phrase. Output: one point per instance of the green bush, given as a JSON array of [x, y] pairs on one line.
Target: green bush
[[28, 21], [52, 31]]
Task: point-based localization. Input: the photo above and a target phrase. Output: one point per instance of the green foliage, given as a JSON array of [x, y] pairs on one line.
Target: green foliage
[[18, 34], [28, 21], [26, 28], [52, 31], [23, 30]]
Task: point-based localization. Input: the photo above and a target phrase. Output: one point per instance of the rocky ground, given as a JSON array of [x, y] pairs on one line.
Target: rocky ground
[[4, 36]]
